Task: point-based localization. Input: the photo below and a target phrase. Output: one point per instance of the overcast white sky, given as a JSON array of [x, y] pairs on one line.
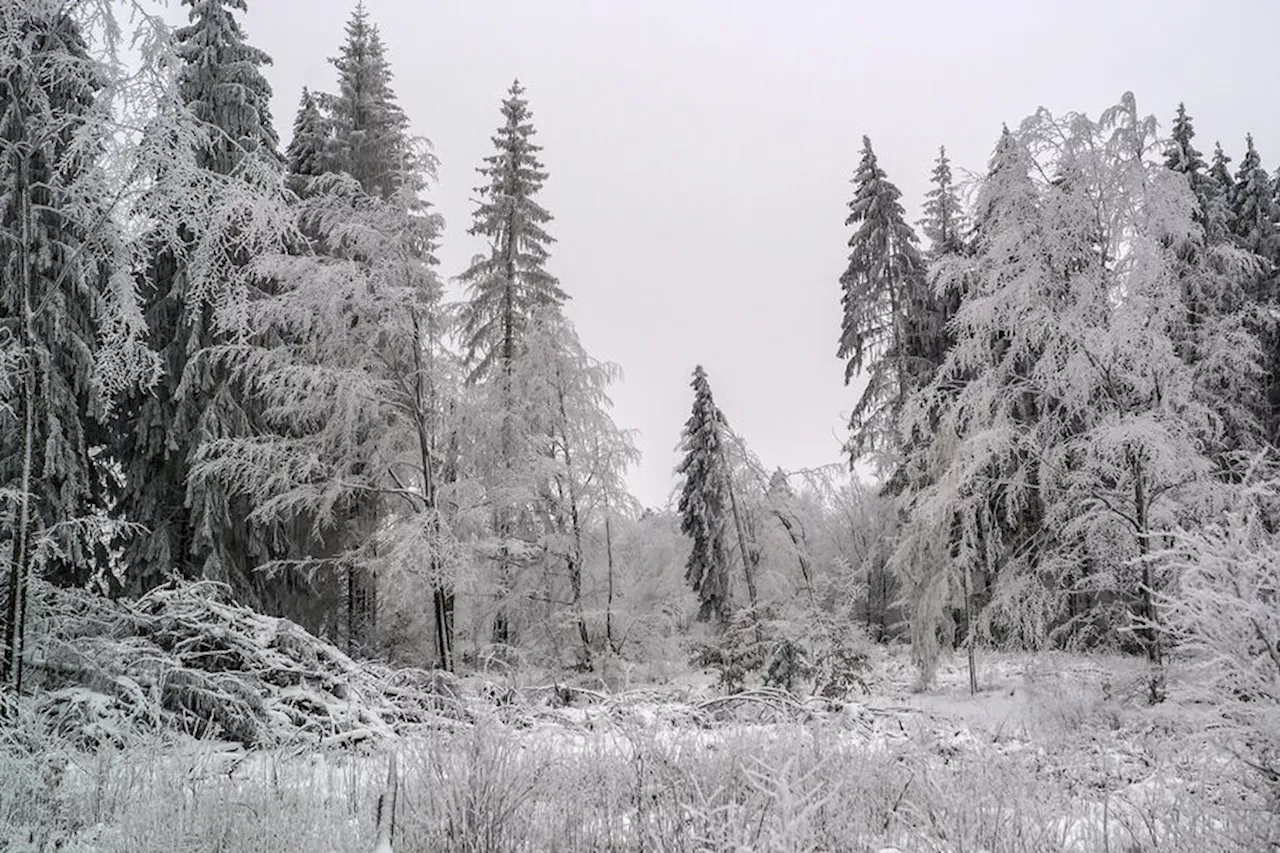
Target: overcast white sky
[[700, 154]]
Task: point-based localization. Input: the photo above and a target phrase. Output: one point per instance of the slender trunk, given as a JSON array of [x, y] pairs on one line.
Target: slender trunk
[[968, 628], [501, 622], [1149, 631], [575, 557], [608, 607], [20, 564], [802, 557], [749, 559], [424, 409]]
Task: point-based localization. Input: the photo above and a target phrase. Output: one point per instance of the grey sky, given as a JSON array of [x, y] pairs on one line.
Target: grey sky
[[700, 154]]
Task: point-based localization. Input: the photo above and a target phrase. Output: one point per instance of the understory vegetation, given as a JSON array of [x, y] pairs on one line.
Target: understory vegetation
[[1060, 755]]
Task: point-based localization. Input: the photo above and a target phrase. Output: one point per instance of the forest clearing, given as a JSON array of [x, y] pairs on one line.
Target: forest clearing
[[324, 523]]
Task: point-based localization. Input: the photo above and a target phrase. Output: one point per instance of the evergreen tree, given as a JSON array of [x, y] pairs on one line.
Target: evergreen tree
[[1221, 187], [506, 287], [1254, 216], [304, 157], [704, 502], [944, 219], [882, 287], [370, 132], [63, 306], [944, 225], [220, 80], [195, 533], [1181, 155], [1255, 222]]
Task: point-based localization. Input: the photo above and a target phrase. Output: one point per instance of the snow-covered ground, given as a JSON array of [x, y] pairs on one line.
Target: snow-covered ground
[[1056, 752]]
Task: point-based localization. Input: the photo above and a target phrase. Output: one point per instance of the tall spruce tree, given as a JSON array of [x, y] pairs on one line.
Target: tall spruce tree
[[1181, 156], [61, 295], [194, 533], [1255, 223], [1220, 175], [508, 285], [883, 293], [705, 503], [505, 289], [221, 82], [944, 225], [370, 137]]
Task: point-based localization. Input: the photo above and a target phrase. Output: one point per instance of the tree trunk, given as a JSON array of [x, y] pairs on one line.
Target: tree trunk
[[575, 558], [968, 628], [20, 564], [425, 408], [608, 607], [1149, 630], [750, 558]]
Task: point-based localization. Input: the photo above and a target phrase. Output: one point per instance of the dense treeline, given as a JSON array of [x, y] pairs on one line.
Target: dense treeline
[[1080, 365], [220, 360]]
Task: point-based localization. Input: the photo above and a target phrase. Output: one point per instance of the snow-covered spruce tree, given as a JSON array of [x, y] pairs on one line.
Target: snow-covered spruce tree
[[1255, 224], [580, 456], [1076, 436], [211, 211], [1180, 155], [70, 328], [1222, 182], [945, 225], [505, 288], [882, 293], [221, 82], [704, 507], [305, 155], [1214, 296], [369, 133]]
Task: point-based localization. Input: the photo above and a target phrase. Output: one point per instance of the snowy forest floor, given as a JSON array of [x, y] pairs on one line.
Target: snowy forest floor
[[1056, 752]]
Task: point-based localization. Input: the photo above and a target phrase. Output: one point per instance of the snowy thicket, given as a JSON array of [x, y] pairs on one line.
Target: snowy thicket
[[1098, 383]]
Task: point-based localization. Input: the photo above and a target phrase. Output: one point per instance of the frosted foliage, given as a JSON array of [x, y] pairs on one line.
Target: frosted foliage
[[1222, 610], [345, 395], [704, 501], [507, 286], [583, 455], [1069, 432], [882, 284]]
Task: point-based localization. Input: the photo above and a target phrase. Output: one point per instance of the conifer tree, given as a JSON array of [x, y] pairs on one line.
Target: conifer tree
[[1219, 175], [304, 157], [1254, 217], [882, 287], [221, 82], [508, 285], [1255, 222], [704, 502], [64, 304], [944, 225], [1181, 156], [194, 533], [370, 132], [944, 218]]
